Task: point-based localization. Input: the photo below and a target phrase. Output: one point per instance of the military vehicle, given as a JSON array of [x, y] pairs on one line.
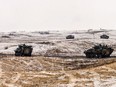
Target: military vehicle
[[99, 51], [23, 50], [70, 37], [104, 36]]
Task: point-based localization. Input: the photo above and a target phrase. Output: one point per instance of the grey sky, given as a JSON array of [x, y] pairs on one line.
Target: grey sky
[[57, 14]]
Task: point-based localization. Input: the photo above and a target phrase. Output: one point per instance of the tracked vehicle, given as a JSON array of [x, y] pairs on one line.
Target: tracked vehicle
[[99, 51], [23, 50], [70, 37], [104, 36]]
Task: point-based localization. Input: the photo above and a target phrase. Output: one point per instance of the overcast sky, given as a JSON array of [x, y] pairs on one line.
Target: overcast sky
[[57, 14]]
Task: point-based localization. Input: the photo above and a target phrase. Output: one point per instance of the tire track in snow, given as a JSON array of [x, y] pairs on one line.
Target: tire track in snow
[[1, 69], [13, 81], [72, 79]]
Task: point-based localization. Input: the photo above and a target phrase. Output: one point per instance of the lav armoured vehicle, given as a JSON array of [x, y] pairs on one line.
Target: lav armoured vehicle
[[99, 51], [104, 36], [23, 50]]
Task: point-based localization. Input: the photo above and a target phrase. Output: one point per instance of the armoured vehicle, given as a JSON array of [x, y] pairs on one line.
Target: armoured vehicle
[[70, 37], [99, 51], [104, 36], [23, 50]]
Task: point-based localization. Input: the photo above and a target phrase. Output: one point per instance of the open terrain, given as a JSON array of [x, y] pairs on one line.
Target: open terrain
[[55, 61]]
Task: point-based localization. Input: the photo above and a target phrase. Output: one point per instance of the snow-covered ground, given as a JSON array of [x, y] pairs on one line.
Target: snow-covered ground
[[43, 43]]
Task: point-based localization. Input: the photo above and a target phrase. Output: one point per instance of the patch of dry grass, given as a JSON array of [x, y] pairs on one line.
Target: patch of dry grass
[[51, 72]]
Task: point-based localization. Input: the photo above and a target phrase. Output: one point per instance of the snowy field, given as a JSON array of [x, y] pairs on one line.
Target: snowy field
[[43, 43], [56, 61]]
